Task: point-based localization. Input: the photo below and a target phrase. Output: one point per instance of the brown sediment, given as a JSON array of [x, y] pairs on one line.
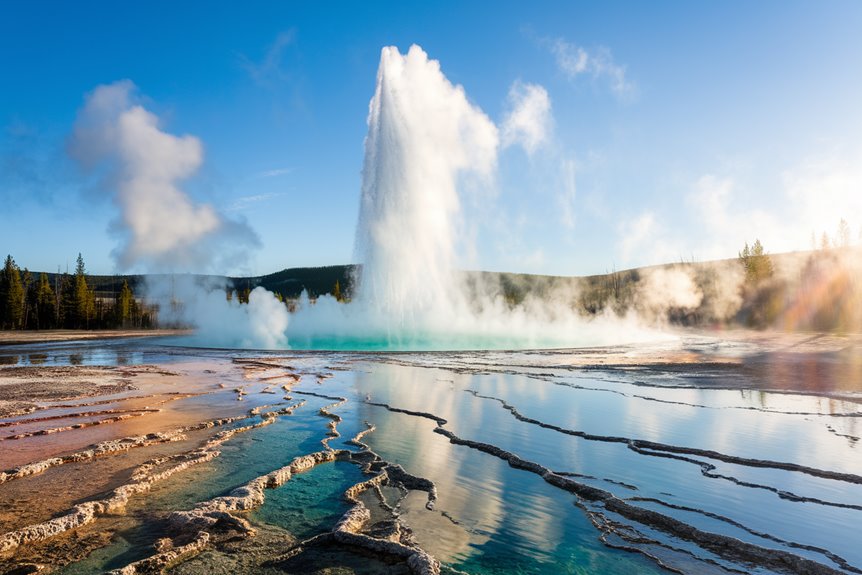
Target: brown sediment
[[80, 425], [22, 397], [31, 420], [115, 446], [142, 481], [98, 450], [728, 548], [85, 513], [122, 410], [25, 389]]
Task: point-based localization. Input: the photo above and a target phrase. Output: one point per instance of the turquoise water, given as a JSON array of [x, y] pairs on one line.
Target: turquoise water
[[310, 503], [243, 457], [420, 342]]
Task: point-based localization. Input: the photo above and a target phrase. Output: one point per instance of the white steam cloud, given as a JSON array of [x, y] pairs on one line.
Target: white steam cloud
[[528, 122], [259, 324], [663, 288], [162, 227], [576, 61]]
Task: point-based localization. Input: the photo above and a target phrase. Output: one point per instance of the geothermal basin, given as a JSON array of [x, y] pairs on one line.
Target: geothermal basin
[[697, 454]]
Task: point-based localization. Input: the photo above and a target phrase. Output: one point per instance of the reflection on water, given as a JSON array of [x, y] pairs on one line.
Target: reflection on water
[[97, 352], [504, 520], [513, 514], [689, 442]]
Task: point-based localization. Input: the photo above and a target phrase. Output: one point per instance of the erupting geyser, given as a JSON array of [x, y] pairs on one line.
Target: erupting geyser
[[423, 135], [424, 139]]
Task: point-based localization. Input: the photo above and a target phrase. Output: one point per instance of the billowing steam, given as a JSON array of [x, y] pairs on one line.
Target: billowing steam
[[162, 228], [665, 288]]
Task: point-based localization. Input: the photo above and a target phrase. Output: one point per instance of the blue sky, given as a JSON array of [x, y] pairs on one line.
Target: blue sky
[[685, 130]]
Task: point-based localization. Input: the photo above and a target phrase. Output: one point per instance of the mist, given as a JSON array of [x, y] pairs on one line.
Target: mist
[[162, 230]]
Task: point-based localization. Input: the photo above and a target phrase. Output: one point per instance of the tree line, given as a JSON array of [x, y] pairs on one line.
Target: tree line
[[33, 303]]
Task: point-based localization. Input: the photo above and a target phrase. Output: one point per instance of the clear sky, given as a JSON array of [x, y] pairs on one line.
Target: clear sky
[[675, 130]]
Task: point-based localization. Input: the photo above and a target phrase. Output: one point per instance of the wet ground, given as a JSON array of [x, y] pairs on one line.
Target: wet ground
[[716, 453]]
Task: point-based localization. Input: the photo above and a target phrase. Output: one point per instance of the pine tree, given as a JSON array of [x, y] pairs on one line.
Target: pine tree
[[27, 284], [4, 293], [68, 312], [46, 314], [123, 307], [85, 298], [843, 239], [756, 262], [11, 296], [337, 291]]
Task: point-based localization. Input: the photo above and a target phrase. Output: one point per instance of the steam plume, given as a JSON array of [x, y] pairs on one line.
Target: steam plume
[[161, 227]]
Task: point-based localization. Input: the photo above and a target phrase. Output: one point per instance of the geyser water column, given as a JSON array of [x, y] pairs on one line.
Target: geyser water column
[[423, 137], [424, 140]]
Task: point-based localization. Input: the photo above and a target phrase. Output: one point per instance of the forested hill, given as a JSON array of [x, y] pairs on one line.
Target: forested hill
[[288, 282]]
